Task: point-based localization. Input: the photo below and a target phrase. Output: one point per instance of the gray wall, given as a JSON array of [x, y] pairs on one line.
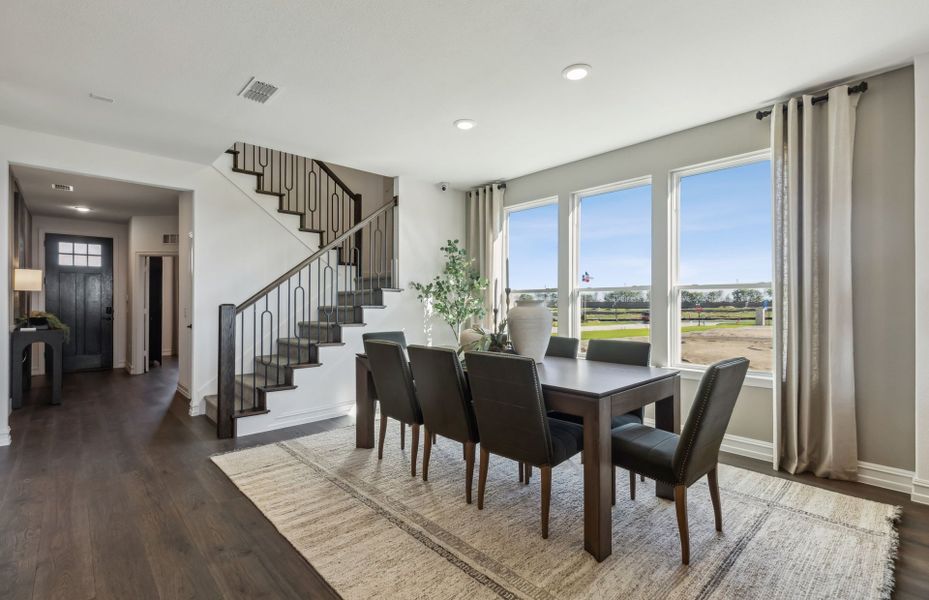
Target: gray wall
[[883, 258]]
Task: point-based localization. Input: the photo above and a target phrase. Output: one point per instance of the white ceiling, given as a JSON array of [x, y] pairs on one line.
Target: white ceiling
[[376, 84], [108, 200]]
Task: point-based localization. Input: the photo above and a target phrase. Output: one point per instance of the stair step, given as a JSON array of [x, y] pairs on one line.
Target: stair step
[[320, 331], [344, 314], [362, 297], [299, 350], [373, 282], [285, 211], [246, 171], [267, 193], [309, 230]]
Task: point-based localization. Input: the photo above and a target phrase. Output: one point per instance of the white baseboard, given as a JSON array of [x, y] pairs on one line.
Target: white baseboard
[[752, 448], [889, 478], [920, 491], [5, 438], [183, 391]]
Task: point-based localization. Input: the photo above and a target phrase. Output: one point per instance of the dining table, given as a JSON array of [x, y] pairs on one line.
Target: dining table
[[592, 390]]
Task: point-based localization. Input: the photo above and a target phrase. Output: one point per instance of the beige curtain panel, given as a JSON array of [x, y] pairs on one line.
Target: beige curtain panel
[[485, 241], [814, 374]]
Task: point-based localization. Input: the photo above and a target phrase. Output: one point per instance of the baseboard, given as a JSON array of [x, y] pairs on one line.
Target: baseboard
[[5, 438], [749, 447], [183, 391], [882, 476], [920, 491]]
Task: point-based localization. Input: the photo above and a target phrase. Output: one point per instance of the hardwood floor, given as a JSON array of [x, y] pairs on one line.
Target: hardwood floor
[[111, 495]]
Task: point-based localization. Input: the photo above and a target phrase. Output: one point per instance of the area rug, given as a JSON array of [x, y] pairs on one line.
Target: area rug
[[372, 530]]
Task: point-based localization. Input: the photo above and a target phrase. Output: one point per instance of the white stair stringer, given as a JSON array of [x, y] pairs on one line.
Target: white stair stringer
[[247, 184], [325, 391]]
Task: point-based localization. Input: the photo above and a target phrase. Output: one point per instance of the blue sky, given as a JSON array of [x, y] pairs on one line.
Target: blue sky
[[725, 231]]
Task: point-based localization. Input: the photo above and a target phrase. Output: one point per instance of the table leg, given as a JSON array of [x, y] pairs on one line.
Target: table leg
[[16, 377], [668, 418], [364, 405], [56, 372], [598, 469]]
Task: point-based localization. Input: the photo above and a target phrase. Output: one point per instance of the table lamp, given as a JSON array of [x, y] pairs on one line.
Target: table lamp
[[27, 280]]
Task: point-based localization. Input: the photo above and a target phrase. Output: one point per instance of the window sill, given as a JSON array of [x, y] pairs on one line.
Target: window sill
[[752, 379]]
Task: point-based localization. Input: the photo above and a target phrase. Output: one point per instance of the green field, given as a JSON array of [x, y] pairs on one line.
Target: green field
[[610, 334]]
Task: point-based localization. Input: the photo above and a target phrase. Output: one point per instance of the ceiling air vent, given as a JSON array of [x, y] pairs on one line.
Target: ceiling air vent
[[169, 238], [62, 187], [258, 91]]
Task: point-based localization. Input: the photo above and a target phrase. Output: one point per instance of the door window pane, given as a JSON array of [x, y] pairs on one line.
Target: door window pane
[[67, 247], [94, 261], [80, 260], [80, 248], [93, 248], [66, 260]]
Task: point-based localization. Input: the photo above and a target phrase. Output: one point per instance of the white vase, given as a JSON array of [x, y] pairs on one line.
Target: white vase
[[530, 326]]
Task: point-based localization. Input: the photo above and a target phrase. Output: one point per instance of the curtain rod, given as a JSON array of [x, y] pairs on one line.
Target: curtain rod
[[855, 89]]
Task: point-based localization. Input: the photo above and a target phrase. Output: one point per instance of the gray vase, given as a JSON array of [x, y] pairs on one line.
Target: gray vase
[[530, 327]]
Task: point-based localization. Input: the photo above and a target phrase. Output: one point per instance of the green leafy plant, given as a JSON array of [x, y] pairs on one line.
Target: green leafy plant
[[490, 341], [455, 294], [53, 321]]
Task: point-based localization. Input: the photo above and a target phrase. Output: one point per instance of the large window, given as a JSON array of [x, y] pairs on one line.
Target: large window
[[614, 267], [532, 253], [722, 290]]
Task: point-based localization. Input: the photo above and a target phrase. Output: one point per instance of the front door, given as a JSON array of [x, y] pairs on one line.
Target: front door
[[79, 291]]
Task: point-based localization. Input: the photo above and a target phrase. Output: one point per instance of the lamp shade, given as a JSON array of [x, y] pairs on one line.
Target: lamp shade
[[27, 280]]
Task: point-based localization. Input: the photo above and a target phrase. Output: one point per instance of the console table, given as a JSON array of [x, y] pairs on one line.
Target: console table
[[21, 376]]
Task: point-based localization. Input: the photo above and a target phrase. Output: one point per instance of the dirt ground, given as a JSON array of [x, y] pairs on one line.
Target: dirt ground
[[754, 343]]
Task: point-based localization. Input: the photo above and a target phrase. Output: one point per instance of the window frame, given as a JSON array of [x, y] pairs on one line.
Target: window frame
[[677, 287], [507, 211], [575, 289]]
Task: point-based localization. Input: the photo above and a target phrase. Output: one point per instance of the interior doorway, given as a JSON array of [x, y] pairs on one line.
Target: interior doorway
[[160, 309]]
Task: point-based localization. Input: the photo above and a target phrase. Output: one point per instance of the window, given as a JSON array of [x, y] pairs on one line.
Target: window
[[722, 290], [615, 262], [532, 253], [71, 254]]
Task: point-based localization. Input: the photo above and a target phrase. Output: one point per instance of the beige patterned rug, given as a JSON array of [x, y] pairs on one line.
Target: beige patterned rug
[[373, 531]]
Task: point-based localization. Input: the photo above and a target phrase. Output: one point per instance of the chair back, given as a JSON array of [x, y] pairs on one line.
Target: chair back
[[390, 336], [393, 381], [443, 394], [565, 347], [509, 406], [698, 449], [623, 352]]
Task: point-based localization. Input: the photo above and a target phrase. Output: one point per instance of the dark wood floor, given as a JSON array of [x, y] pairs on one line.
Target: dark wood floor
[[111, 495]]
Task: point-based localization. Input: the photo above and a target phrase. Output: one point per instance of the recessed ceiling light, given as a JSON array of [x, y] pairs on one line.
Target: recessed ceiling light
[[82, 209], [465, 124], [62, 187], [576, 72]]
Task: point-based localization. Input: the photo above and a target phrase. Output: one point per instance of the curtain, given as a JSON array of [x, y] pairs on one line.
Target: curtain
[[485, 242], [815, 377]]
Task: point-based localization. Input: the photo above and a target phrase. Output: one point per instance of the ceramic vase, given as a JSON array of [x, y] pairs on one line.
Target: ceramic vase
[[530, 327]]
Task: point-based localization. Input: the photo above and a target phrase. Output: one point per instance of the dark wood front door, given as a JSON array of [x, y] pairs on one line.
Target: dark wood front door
[[79, 290]]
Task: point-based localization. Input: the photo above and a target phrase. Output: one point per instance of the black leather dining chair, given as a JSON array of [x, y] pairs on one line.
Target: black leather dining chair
[[622, 352], [393, 383], [510, 411], [564, 347], [399, 338], [680, 460], [445, 400]]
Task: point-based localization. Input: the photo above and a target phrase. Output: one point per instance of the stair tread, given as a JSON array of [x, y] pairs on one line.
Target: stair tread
[[274, 359], [267, 193], [249, 412], [332, 324], [310, 230]]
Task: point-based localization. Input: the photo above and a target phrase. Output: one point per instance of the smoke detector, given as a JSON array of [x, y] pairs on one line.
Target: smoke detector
[[258, 91], [61, 187]]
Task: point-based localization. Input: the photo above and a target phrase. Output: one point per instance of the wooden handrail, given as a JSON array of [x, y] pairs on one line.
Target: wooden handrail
[[336, 178], [327, 248]]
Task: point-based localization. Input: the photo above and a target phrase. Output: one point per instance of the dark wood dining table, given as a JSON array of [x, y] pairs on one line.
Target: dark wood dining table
[[592, 390]]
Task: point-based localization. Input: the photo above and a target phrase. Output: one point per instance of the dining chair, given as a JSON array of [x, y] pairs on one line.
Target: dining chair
[[445, 400], [393, 384], [396, 337], [680, 460], [621, 352], [564, 347], [510, 412]]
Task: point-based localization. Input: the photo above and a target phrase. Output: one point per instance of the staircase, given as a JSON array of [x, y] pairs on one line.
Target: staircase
[[273, 342]]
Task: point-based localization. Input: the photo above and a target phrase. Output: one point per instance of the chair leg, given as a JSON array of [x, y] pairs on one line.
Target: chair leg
[[642, 478], [522, 471], [680, 503], [469, 469], [414, 439], [528, 471], [482, 477], [546, 497], [380, 440], [402, 436], [713, 480], [631, 485], [613, 484], [435, 438], [427, 451]]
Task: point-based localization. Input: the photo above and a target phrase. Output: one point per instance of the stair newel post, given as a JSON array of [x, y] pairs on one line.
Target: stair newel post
[[225, 402], [395, 245]]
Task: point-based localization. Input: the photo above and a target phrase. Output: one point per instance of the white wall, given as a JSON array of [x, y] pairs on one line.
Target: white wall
[[225, 227], [118, 232], [185, 293], [921, 270], [145, 238]]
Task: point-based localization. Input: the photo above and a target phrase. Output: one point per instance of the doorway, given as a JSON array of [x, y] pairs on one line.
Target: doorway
[[79, 291], [160, 308]]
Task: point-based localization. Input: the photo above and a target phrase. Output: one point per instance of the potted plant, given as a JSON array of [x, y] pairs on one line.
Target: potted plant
[[455, 294]]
